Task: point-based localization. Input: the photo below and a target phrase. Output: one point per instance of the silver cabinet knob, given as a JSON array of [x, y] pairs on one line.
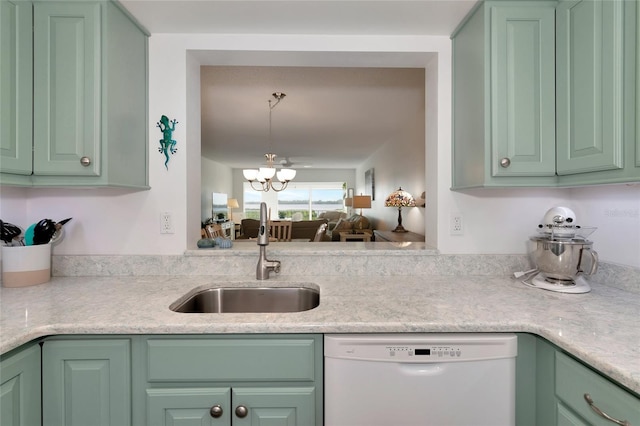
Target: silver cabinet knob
[[216, 411], [85, 161], [241, 411], [505, 162]]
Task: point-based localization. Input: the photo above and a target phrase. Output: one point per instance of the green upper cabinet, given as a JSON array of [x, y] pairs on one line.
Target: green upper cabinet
[[66, 106], [16, 87], [590, 84], [88, 110], [503, 96], [544, 94], [522, 86]]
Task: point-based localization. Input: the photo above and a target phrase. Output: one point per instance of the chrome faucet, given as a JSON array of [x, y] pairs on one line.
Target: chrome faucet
[[265, 265]]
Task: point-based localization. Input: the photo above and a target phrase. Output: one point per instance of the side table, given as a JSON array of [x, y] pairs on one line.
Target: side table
[[360, 236]]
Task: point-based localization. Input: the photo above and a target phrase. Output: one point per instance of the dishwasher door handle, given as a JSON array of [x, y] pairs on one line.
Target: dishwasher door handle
[[413, 369]]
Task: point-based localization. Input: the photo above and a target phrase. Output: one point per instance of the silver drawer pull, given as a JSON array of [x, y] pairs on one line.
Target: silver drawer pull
[[505, 162], [601, 413]]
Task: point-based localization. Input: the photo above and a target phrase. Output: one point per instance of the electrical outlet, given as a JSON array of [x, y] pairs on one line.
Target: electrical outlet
[[455, 224], [166, 224]]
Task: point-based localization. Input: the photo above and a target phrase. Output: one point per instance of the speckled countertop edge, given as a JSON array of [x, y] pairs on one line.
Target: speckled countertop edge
[[602, 327]]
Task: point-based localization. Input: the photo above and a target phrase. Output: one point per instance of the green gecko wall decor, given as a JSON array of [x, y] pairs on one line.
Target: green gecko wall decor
[[167, 144]]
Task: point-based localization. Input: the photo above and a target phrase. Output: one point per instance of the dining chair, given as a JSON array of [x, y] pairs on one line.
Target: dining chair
[[322, 229], [214, 230], [280, 230]]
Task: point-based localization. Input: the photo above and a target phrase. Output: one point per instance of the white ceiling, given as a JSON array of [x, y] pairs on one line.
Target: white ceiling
[[332, 116], [380, 17]]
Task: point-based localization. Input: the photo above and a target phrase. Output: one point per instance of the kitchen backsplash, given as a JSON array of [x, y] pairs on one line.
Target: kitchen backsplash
[[344, 263]]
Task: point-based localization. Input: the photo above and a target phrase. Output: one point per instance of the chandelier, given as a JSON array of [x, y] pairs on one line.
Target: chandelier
[[264, 175]]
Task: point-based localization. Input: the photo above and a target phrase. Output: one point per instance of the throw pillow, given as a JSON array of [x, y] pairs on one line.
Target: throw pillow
[[343, 225]]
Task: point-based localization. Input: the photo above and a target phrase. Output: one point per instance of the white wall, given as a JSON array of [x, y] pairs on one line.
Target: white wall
[[215, 177], [399, 163], [111, 221]]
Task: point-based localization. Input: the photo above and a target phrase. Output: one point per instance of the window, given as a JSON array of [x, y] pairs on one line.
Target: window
[[307, 198]]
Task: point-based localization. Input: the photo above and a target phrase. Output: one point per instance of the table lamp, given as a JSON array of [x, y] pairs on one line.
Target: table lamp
[[361, 202], [400, 199], [232, 203]]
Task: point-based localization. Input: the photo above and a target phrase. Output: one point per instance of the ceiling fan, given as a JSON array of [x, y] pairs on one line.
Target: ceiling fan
[[293, 163]]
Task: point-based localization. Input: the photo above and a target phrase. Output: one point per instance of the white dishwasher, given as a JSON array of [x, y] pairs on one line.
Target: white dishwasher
[[419, 379]]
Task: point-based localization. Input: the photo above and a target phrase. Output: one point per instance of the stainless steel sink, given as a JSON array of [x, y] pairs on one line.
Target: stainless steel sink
[[248, 299]]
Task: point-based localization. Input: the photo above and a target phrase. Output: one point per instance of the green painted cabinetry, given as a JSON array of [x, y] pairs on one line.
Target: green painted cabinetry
[[503, 96], [20, 386], [583, 397], [86, 381], [16, 87], [233, 380], [88, 108], [551, 388], [590, 82], [544, 94], [238, 406]]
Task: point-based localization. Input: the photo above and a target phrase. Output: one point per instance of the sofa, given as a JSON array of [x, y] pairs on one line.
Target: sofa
[[332, 217], [355, 222], [303, 229]]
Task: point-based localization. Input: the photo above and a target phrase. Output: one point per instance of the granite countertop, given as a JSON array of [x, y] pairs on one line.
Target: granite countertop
[[601, 327]]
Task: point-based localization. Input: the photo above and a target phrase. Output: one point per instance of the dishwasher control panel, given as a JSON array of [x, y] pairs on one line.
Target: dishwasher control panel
[[421, 348], [402, 352]]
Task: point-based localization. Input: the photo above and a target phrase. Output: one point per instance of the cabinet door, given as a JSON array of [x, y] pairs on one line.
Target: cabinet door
[[637, 127], [86, 382], [20, 387], [190, 406], [66, 100], [274, 406], [16, 74], [523, 90], [590, 73], [574, 381]]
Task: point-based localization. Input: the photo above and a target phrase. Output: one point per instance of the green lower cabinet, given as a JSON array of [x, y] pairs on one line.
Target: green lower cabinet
[[238, 406], [237, 380], [535, 381], [584, 397], [20, 387], [86, 382], [551, 388], [201, 406], [274, 406]]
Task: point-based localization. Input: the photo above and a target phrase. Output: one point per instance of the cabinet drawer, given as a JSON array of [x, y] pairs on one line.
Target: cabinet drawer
[[573, 381], [237, 359]]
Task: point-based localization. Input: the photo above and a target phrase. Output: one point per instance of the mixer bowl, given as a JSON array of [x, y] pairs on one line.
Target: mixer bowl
[[563, 259]]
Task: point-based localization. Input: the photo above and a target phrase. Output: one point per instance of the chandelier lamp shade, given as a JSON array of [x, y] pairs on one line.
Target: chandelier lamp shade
[[400, 199], [263, 176]]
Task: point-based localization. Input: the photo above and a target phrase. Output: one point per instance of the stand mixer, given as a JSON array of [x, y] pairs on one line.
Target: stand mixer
[[561, 254]]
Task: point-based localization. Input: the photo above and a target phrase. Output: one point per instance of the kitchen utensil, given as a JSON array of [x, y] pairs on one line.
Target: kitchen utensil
[[45, 231], [59, 234], [9, 232]]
